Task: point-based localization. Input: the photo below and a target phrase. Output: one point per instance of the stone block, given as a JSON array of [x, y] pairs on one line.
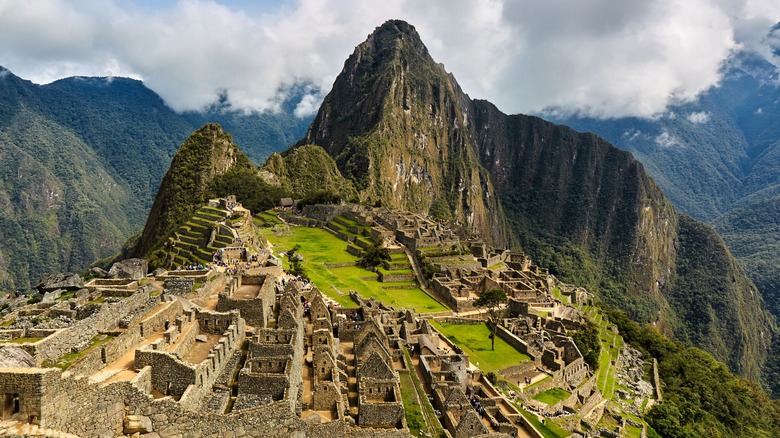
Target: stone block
[[137, 424]]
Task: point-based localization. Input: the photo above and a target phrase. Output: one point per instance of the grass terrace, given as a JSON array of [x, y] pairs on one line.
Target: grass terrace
[[69, 359], [319, 247], [552, 396], [475, 341]]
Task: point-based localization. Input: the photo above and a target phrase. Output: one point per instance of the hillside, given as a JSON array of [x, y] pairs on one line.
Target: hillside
[[718, 159], [402, 131], [395, 124], [82, 161], [208, 153]]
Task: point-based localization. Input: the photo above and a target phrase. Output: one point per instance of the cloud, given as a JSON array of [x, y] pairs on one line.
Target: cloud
[[602, 58], [667, 140], [699, 117]]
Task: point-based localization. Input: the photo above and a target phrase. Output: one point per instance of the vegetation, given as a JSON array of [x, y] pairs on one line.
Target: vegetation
[[702, 398], [492, 299], [587, 340], [373, 256], [82, 160], [206, 154], [295, 262], [552, 396], [249, 188], [471, 338], [69, 359], [319, 247]]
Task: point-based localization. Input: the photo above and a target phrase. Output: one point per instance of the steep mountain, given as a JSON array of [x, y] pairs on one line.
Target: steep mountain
[[395, 122], [718, 158], [208, 153], [82, 159], [306, 170], [403, 132]]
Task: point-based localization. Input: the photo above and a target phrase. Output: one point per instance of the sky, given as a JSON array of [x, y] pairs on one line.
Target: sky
[[598, 58]]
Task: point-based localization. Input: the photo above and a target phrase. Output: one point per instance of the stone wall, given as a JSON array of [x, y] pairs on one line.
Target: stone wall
[[106, 319], [68, 401]]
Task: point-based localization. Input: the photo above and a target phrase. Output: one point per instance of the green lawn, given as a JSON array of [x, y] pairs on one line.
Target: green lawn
[[552, 396], [548, 430], [318, 246], [475, 341], [430, 421], [414, 416]]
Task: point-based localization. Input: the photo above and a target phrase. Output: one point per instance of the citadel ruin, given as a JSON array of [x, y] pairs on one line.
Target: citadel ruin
[[225, 342]]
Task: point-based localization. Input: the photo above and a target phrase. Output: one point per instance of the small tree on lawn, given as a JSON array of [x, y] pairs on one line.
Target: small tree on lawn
[[296, 262], [373, 256], [491, 300]]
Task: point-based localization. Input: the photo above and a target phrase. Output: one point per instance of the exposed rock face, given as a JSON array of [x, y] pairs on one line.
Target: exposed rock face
[[397, 125], [135, 269], [14, 357], [66, 281]]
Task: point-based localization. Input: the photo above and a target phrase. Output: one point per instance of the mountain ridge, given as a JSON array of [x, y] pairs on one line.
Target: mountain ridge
[[575, 202]]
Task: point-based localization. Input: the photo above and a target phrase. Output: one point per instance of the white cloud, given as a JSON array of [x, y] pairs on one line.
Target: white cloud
[[699, 117], [667, 140], [603, 58]]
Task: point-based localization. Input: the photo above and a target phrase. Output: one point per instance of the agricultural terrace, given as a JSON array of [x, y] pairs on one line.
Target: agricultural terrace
[[474, 340], [319, 247]]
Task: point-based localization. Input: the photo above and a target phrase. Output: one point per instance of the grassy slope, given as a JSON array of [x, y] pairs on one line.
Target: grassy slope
[[319, 247], [474, 340]]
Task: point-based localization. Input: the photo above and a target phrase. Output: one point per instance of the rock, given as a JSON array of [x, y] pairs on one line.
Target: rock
[[159, 271], [135, 269], [98, 272], [15, 357], [66, 281], [201, 338], [52, 296], [137, 424], [82, 293]]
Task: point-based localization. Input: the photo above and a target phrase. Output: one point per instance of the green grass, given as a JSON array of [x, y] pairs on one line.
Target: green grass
[[432, 423], [66, 360], [552, 396], [548, 430], [23, 340], [318, 246], [414, 416], [474, 340]]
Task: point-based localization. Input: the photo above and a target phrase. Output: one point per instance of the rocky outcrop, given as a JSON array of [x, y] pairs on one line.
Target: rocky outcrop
[[400, 128], [396, 124], [134, 269], [15, 357], [65, 281]]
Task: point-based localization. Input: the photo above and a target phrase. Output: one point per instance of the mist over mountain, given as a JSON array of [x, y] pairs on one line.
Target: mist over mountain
[[718, 159]]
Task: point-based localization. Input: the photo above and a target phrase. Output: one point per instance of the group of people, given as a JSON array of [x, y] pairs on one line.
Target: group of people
[[191, 267], [477, 405]]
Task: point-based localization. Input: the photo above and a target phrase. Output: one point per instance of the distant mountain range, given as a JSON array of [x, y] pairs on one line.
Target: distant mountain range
[[718, 159], [81, 159]]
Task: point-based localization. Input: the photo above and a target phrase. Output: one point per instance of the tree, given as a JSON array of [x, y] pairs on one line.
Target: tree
[[491, 300], [296, 262], [373, 256]]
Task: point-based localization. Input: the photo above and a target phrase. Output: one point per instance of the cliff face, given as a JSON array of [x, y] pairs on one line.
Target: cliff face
[[402, 130], [395, 124], [207, 153], [593, 215]]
